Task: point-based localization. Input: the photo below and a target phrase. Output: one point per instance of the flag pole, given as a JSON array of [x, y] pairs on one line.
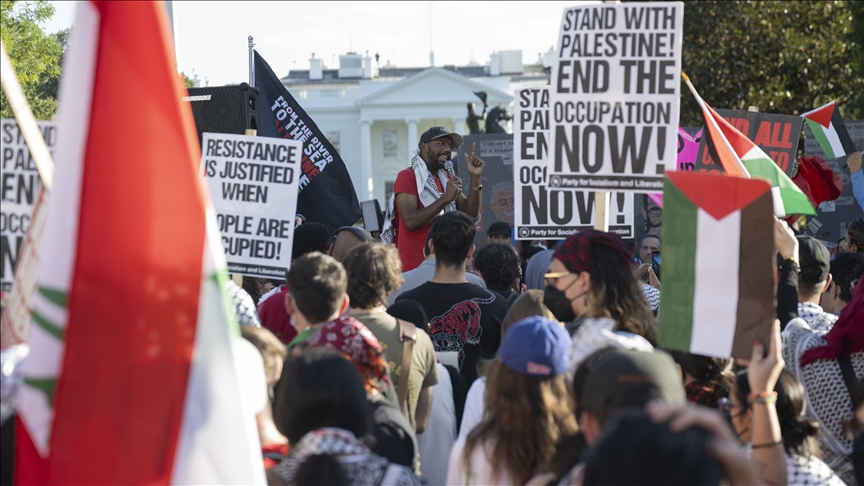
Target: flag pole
[[26, 120], [709, 118], [238, 279], [601, 198], [251, 62]]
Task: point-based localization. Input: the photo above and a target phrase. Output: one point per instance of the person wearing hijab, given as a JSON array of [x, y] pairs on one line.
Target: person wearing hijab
[[392, 436]]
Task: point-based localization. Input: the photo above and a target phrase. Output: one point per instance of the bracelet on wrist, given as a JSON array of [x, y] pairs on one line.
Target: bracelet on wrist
[[764, 397], [762, 446], [793, 259]]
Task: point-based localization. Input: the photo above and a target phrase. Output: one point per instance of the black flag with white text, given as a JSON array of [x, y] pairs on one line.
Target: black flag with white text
[[326, 193]]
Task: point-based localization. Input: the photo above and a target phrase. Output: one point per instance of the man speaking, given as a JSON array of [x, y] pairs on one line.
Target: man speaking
[[426, 189]]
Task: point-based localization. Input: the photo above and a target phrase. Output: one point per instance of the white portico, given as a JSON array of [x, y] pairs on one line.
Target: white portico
[[433, 97], [375, 120]]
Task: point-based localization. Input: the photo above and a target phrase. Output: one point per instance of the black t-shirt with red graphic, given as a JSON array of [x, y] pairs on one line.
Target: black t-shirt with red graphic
[[465, 318]]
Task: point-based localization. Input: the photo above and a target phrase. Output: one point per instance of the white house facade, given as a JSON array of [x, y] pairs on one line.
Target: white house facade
[[374, 116]]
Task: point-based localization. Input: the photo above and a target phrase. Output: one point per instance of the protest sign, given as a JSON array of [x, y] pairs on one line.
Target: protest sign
[[496, 150], [253, 182], [21, 187], [777, 135], [648, 208], [542, 212], [833, 217], [615, 96], [326, 192], [688, 148]]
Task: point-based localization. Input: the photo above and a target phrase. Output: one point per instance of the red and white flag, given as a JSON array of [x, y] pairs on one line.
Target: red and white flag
[[131, 377]]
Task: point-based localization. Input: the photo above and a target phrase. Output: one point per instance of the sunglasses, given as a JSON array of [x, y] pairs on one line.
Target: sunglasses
[[552, 277]]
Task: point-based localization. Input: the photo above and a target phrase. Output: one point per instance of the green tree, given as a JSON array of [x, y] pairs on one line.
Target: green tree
[[35, 55], [190, 83], [782, 56]]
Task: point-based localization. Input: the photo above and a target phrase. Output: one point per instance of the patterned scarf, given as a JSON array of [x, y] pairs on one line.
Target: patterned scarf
[[847, 335], [362, 348], [427, 192], [328, 440]]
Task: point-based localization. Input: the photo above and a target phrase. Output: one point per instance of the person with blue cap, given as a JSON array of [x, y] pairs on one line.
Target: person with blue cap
[[528, 407]]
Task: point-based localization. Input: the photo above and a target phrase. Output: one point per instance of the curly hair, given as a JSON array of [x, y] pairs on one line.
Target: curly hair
[[498, 264], [855, 233], [713, 373], [374, 270], [309, 237], [524, 416], [845, 268]]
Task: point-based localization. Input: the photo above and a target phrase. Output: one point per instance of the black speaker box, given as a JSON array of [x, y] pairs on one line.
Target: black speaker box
[[224, 109]]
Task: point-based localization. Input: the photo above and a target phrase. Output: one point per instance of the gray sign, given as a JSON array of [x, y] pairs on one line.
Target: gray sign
[[833, 217]]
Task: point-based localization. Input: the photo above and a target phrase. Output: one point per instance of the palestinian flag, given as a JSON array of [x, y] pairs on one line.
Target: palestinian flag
[[131, 377], [718, 264], [830, 131], [740, 157]]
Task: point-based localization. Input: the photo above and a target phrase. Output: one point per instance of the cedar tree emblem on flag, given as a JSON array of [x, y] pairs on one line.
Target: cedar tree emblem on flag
[[131, 377]]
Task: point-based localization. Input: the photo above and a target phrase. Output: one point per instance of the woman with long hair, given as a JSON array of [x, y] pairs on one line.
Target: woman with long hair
[[803, 458], [592, 276], [527, 408], [528, 304]]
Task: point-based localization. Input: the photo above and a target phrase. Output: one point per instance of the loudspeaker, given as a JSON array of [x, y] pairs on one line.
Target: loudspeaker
[[224, 109]]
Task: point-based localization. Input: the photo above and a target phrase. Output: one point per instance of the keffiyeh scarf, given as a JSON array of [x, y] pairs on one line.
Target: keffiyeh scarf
[[328, 440], [427, 192]]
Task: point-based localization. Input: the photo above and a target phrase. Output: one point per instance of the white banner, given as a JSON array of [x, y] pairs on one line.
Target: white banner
[[254, 183], [20, 186], [614, 104], [542, 212]]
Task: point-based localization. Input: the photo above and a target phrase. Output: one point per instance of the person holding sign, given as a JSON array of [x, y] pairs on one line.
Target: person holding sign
[[425, 190]]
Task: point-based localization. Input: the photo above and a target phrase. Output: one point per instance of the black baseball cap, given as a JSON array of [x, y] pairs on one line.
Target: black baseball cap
[[627, 378], [498, 228], [438, 132], [814, 259]]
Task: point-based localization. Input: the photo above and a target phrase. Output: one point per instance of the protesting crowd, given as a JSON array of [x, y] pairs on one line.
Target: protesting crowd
[[538, 370], [409, 355]]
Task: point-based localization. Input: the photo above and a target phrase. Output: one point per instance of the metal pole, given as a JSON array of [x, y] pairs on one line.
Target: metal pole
[[26, 121], [601, 198], [251, 62]]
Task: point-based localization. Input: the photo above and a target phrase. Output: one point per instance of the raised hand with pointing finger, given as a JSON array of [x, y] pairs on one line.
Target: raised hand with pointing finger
[[474, 164]]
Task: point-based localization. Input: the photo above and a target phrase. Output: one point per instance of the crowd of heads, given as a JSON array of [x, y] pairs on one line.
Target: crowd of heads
[[575, 385]]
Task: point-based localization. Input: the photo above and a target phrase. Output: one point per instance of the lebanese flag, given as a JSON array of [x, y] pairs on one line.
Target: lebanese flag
[[829, 129], [131, 377], [740, 157], [718, 264]]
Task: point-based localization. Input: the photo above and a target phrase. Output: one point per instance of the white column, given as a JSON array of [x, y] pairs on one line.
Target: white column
[[459, 125], [412, 135], [365, 185]]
